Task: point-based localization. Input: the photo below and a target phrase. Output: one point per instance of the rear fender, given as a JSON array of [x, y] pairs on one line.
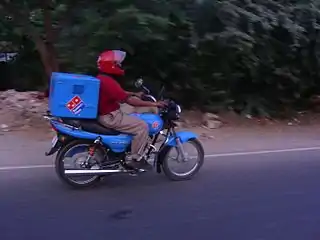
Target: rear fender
[[59, 141], [117, 143], [73, 131]]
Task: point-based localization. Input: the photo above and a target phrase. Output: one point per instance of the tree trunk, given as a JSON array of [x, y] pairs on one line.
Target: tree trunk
[[48, 51], [45, 47], [44, 55], [50, 35]]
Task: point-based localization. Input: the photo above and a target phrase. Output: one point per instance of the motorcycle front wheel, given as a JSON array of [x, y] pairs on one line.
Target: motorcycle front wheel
[[197, 158]]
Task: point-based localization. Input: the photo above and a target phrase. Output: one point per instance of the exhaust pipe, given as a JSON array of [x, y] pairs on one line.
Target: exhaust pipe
[[92, 172]]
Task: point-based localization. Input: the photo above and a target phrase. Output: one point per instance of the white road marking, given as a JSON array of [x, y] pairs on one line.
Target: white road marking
[[262, 152], [25, 167], [231, 154]]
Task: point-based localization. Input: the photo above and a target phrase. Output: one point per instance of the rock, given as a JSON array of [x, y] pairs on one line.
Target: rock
[[211, 121], [179, 124], [212, 124], [186, 121], [210, 116], [4, 127], [17, 108], [206, 136]]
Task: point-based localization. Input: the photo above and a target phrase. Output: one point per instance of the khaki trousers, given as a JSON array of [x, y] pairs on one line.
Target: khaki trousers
[[124, 123]]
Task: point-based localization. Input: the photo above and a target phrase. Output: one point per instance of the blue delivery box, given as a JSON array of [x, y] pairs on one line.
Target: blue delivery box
[[74, 95]]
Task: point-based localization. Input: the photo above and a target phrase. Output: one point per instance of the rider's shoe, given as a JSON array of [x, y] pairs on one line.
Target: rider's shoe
[[143, 164], [138, 163]]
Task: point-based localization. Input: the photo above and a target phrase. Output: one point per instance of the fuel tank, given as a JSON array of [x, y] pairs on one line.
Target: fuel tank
[[154, 121]]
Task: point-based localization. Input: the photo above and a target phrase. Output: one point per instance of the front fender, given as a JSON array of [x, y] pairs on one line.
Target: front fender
[[171, 142], [184, 136]]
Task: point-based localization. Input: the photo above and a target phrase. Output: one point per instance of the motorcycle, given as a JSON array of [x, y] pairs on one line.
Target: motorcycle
[[96, 152]]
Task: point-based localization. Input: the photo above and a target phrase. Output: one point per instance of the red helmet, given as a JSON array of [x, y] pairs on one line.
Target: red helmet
[[110, 62]]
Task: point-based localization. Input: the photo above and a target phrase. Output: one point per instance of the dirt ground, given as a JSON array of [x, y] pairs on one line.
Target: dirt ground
[[236, 135], [21, 112], [233, 125]]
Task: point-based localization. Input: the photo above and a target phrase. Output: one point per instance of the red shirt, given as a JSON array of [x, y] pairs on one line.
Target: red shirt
[[111, 93]]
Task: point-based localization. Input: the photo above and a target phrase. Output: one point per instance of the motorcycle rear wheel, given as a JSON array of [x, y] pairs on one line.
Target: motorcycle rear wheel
[[60, 167]]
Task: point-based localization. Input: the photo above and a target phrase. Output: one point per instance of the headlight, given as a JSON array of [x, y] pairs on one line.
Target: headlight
[[178, 109]]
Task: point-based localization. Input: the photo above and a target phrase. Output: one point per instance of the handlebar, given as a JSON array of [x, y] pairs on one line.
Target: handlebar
[[171, 104], [139, 84]]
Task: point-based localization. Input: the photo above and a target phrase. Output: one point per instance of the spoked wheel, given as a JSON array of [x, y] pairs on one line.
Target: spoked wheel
[[178, 169], [72, 157]]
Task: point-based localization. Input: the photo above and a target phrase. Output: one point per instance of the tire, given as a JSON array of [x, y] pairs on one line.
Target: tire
[[59, 166], [172, 176]]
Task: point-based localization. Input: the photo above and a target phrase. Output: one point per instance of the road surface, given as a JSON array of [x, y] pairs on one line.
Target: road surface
[[258, 195]]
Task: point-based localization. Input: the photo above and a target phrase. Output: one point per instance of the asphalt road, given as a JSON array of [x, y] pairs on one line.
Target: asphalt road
[[246, 197]]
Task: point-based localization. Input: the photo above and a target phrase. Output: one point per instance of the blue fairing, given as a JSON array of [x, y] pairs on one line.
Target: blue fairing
[[154, 121], [118, 143], [184, 137]]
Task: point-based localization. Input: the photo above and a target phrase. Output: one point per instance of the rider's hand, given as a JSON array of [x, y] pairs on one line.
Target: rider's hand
[[139, 94], [161, 104]]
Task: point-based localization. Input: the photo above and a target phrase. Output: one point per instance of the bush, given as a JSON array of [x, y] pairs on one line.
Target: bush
[[256, 57]]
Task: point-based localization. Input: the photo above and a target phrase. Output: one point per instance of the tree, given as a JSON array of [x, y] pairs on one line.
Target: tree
[[40, 21], [256, 57]]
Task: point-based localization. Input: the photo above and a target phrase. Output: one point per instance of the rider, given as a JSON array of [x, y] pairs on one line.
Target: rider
[[110, 114]]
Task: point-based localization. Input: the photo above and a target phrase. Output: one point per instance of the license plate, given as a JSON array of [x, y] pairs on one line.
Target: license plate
[[54, 141]]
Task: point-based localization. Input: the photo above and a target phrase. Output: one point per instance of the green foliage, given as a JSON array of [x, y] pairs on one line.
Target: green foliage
[[257, 57]]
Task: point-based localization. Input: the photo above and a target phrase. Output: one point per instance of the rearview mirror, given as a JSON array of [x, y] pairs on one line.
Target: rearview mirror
[[138, 83]]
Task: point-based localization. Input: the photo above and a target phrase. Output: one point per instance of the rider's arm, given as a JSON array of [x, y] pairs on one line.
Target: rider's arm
[[137, 102], [121, 96], [132, 93]]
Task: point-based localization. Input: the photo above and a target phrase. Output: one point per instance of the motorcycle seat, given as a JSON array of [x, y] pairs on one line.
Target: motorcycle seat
[[92, 126]]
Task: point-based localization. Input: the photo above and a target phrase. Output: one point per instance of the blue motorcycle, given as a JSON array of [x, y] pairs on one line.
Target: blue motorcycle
[[95, 151]]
